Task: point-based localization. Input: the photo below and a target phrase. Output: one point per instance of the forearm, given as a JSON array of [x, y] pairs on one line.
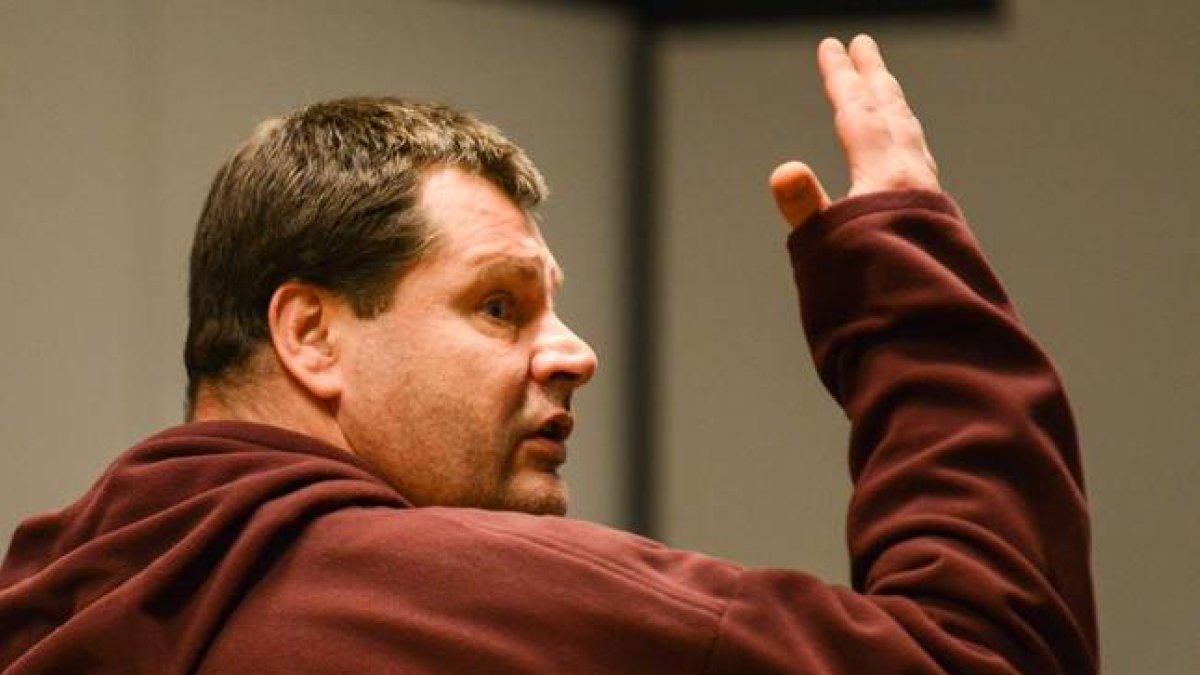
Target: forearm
[[968, 523]]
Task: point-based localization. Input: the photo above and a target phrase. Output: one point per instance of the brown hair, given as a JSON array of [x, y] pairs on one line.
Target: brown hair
[[328, 195]]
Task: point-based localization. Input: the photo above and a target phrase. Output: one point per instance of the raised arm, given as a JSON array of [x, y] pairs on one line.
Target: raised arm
[[968, 526]]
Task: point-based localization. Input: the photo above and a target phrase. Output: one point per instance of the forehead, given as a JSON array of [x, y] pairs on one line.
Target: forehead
[[476, 227]]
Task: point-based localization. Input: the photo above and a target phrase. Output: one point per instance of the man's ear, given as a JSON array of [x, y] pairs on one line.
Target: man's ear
[[305, 324]]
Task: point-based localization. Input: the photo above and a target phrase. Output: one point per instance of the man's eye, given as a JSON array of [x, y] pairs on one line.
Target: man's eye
[[500, 308]]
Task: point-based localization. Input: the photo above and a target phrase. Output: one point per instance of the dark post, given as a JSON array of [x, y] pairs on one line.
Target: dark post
[[641, 290]]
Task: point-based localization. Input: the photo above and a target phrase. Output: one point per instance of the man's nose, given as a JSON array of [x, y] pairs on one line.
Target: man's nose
[[562, 357]]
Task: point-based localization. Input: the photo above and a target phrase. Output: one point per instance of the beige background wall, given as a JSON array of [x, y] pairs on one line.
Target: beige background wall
[[1070, 141]]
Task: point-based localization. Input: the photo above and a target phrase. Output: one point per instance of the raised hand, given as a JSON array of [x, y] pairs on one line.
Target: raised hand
[[883, 140]]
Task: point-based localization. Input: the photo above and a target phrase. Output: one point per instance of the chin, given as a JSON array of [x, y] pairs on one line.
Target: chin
[[548, 497], [541, 505]]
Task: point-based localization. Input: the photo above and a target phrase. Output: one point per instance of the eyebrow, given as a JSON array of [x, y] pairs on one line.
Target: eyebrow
[[528, 269]]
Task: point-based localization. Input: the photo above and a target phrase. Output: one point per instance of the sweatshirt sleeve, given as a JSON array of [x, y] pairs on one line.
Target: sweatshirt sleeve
[[968, 526]]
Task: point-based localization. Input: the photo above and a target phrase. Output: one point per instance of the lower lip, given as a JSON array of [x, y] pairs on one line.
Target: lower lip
[[546, 451]]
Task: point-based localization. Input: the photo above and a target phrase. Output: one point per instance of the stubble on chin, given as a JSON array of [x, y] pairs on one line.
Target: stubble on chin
[[536, 492], [553, 502]]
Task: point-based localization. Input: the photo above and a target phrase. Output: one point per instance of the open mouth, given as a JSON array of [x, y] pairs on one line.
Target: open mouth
[[550, 441], [556, 429]]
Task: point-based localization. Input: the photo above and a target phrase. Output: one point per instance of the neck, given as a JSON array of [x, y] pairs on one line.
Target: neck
[[273, 399]]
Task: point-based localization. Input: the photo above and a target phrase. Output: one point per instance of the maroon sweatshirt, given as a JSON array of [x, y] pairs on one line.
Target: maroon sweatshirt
[[226, 547]]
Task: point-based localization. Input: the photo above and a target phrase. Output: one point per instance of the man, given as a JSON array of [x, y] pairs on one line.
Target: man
[[352, 393]]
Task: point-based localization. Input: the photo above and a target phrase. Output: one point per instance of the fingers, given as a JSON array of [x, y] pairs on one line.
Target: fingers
[[860, 126], [850, 93], [843, 83], [903, 124], [882, 138], [798, 193], [884, 87]]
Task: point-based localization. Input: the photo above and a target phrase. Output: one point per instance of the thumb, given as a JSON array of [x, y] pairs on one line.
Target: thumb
[[798, 192]]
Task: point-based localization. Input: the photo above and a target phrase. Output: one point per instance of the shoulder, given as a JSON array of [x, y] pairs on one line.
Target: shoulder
[[459, 542], [415, 590]]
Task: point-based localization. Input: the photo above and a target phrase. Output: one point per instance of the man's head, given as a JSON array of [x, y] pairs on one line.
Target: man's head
[[378, 257]]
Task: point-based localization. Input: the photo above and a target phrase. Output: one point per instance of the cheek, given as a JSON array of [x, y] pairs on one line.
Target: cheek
[[441, 371], [379, 370], [500, 374]]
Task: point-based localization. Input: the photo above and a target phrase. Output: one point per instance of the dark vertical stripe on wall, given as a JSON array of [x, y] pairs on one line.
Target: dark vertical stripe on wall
[[641, 290]]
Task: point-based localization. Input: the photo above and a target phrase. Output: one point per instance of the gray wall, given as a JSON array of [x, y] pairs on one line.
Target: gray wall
[[1070, 143]]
